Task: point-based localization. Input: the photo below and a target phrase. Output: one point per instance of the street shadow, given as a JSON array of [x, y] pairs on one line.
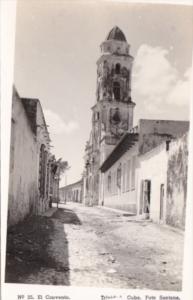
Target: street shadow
[[37, 252], [66, 216]]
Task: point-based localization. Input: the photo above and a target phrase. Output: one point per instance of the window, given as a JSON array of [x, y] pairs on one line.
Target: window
[[133, 173], [119, 171], [128, 186], [109, 183], [117, 68], [47, 175], [114, 183], [124, 182], [115, 116], [116, 90], [42, 170]]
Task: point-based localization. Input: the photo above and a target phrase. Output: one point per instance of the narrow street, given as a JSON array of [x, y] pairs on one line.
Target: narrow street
[[92, 246]]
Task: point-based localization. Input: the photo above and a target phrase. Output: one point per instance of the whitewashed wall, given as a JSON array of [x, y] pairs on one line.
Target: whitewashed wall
[[153, 166], [24, 197], [121, 198], [23, 185]]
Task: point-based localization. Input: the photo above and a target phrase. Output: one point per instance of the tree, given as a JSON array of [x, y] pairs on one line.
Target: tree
[[63, 166]]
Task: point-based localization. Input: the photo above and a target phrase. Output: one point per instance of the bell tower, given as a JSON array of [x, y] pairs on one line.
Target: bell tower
[[113, 112]]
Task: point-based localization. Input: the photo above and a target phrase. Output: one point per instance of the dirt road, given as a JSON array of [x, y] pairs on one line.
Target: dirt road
[[90, 246]]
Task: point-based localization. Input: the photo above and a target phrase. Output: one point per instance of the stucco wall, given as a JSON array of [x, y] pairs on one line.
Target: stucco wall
[[42, 139], [23, 189], [124, 199], [154, 132], [28, 134], [153, 167], [177, 182]]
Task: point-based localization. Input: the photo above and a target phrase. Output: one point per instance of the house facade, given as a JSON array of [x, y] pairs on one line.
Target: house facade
[[72, 192], [152, 183], [119, 175], [162, 183], [137, 168], [31, 163]]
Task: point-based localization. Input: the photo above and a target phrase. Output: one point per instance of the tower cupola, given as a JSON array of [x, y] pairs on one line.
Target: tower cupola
[[115, 43], [116, 34]]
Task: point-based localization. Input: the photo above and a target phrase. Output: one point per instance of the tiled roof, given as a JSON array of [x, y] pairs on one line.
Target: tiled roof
[[127, 141], [30, 106]]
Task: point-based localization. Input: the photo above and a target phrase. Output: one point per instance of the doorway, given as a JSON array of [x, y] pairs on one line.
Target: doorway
[[161, 202], [146, 197]]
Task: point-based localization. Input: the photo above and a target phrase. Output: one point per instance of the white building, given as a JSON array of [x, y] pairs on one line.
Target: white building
[[162, 183], [32, 167], [135, 174]]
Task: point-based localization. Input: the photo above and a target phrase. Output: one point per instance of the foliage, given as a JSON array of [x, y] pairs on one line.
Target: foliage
[[63, 165]]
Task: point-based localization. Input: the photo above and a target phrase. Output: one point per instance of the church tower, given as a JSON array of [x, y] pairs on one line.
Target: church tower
[[112, 114], [113, 111]]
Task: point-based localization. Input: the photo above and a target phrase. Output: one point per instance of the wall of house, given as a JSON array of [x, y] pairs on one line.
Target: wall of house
[[177, 182], [29, 181], [121, 193], [42, 138], [154, 132], [23, 185], [72, 193], [153, 167]]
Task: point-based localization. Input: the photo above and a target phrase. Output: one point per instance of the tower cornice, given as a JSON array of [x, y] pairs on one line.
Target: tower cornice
[[115, 55]]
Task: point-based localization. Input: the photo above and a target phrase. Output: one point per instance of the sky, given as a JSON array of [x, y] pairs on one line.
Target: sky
[[56, 48]]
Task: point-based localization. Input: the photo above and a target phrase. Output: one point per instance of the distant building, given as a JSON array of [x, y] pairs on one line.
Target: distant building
[[72, 192], [31, 164]]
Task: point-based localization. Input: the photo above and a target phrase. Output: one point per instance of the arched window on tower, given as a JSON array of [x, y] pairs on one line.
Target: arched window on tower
[[116, 90], [117, 68]]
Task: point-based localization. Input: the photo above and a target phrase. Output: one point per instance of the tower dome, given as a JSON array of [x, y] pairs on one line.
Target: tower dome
[[116, 34]]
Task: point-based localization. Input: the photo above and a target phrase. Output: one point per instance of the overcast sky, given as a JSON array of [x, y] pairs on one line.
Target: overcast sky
[[57, 46]]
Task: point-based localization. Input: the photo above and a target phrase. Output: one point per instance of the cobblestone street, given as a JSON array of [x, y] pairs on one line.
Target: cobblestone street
[[93, 246]]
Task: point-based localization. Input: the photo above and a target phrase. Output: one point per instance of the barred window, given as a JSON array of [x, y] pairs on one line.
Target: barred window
[[128, 185], [42, 170], [119, 173], [133, 173], [124, 178], [109, 183]]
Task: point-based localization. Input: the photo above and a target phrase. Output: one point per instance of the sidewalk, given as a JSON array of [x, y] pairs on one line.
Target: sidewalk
[[118, 211], [138, 218], [50, 212]]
